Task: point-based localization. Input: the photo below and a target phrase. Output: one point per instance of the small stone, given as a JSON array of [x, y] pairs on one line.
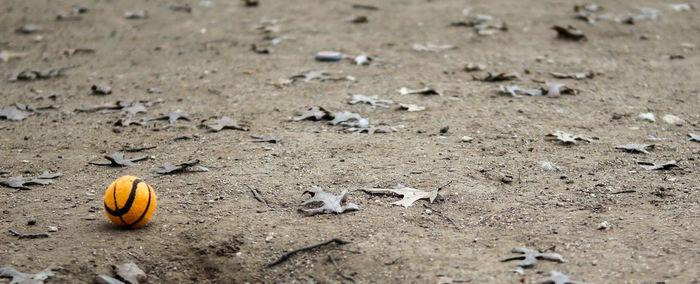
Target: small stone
[[563, 177], [53, 229], [445, 129], [672, 119], [467, 139], [604, 225], [328, 56], [31, 222], [648, 116]]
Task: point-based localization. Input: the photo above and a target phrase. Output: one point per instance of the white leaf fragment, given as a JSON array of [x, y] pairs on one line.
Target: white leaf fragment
[[331, 203], [410, 195]]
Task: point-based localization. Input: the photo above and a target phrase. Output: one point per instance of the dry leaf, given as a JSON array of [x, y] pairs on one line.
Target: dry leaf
[[225, 123], [349, 119], [649, 166], [556, 277], [169, 168], [411, 108], [567, 138], [12, 113], [410, 195], [22, 182], [331, 203], [374, 101], [31, 75], [498, 77], [529, 257], [137, 15], [638, 148], [516, 91], [130, 273], [471, 67], [117, 160], [320, 75], [424, 91], [556, 89], [373, 129], [694, 137], [313, 113], [569, 33], [576, 76], [25, 278], [172, 117], [260, 49], [431, 47]]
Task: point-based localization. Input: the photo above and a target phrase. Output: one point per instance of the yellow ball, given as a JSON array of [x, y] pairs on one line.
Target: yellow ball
[[129, 202]]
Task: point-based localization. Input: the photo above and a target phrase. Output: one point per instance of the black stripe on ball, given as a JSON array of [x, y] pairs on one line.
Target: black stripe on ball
[[144, 211], [119, 212]]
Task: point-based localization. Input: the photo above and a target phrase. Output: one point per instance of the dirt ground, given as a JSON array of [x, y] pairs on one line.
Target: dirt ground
[[208, 227]]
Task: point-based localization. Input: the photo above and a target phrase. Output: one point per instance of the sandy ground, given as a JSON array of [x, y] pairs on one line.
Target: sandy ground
[[208, 227]]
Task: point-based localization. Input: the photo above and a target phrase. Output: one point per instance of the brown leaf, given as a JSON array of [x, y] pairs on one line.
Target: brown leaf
[[225, 123], [569, 33], [130, 273]]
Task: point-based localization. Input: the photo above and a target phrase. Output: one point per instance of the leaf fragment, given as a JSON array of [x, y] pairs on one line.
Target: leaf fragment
[[136, 15], [471, 67], [374, 101], [349, 119], [567, 138], [101, 89], [694, 137], [313, 113], [432, 47], [636, 148], [172, 117], [21, 182], [130, 273], [117, 160], [576, 76], [321, 75], [516, 91], [497, 77], [12, 113], [25, 278], [649, 166], [373, 129], [411, 107], [330, 203], [423, 91], [569, 33], [529, 257], [409, 194], [225, 123], [169, 168]]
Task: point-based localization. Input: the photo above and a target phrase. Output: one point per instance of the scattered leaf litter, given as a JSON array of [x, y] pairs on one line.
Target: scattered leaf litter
[[576, 76], [25, 278], [517, 91], [313, 113], [21, 182], [330, 203]]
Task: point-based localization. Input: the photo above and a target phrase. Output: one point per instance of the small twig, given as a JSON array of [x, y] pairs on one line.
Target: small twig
[[256, 194], [440, 213], [345, 276], [347, 250], [132, 150], [29, 236], [332, 260], [624, 191], [291, 253], [444, 185]]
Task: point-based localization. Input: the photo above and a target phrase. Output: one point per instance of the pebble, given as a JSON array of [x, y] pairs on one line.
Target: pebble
[[647, 116], [328, 56], [604, 225], [467, 139], [672, 119], [31, 222], [53, 229]]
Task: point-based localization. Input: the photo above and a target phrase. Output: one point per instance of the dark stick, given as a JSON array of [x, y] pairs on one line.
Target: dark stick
[[291, 253], [256, 194], [138, 149], [624, 191], [441, 187], [348, 277], [29, 236], [330, 257]]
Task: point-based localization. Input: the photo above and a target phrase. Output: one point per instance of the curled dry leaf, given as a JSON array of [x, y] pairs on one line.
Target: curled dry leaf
[[556, 89], [649, 166], [556, 277], [432, 47], [374, 101], [529, 257], [225, 123], [411, 108], [130, 273], [410, 195], [569, 33], [516, 91], [25, 278], [172, 117], [567, 138], [117, 160], [32, 75], [576, 76], [101, 89], [424, 91], [636, 148], [330, 203], [169, 168], [136, 15], [313, 113], [497, 77]]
